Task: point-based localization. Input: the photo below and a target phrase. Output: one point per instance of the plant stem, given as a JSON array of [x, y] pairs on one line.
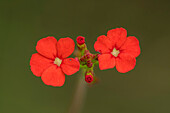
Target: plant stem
[[79, 96]]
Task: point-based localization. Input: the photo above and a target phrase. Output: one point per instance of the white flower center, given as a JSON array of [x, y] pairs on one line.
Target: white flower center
[[115, 52], [57, 61]]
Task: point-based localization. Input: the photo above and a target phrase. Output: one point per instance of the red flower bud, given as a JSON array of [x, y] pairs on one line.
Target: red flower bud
[[88, 78], [89, 64], [87, 56], [80, 40], [95, 57]]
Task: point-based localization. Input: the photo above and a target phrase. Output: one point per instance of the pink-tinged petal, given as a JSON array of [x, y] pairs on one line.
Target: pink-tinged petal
[[47, 47], [53, 76], [131, 46], [106, 61], [125, 62], [65, 47], [117, 36], [70, 66], [39, 63], [103, 44]]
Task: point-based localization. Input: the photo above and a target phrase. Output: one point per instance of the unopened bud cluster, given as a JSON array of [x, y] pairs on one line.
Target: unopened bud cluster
[[86, 59]]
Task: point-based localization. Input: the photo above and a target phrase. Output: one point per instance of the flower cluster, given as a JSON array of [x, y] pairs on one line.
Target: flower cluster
[[115, 50]]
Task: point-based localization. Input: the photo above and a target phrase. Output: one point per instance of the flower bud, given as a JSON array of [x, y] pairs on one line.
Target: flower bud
[[95, 57], [80, 40], [87, 56], [88, 78], [82, 59], [89, 64]]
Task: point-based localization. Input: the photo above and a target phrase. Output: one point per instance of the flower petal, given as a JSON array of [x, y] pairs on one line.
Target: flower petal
[[70, 66], [125, 62], [131, 46], [103, 44], [117, 36], [39, 63], [65, 47], [47, 47], [53, 76], [106, 61]]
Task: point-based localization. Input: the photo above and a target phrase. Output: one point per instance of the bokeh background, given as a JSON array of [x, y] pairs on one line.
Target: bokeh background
[[146, 89]]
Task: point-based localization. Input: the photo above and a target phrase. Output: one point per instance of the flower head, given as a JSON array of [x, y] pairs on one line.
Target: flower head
[[51, 62], [118, 50]]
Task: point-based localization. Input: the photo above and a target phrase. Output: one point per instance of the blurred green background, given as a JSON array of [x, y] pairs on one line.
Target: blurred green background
[[146, 89]]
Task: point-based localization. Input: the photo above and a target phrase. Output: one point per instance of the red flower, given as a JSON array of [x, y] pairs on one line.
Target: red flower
[[50, 63], [117, 50]]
